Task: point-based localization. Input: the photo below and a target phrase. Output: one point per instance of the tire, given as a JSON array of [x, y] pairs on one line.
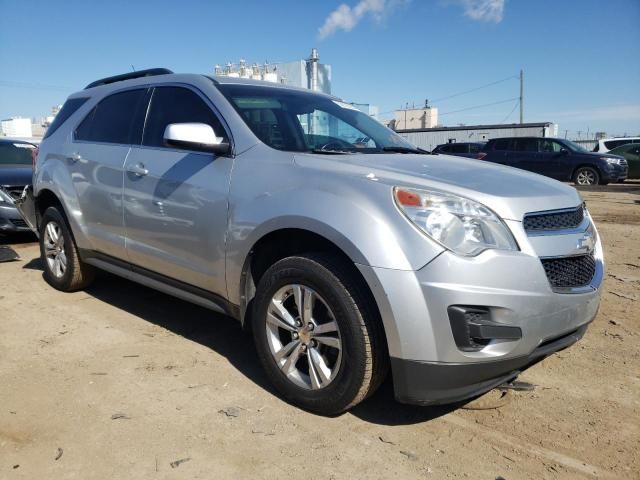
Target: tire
[[586, 176], [343, 376], [63, 269]]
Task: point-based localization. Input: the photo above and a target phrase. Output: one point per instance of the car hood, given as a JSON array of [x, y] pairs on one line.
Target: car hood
[[510, 192], [15, 175], [599, 154]]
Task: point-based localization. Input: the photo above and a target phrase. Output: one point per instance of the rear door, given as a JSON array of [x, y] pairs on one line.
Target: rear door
[[101, 142], [525, 155], [499, 151], [175, 200]]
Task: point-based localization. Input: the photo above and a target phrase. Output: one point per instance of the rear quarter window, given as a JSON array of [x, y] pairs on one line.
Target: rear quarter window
[[112, 120], [69, 108]]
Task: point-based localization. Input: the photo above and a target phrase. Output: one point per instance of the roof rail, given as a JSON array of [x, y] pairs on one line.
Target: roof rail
[[128, 76]]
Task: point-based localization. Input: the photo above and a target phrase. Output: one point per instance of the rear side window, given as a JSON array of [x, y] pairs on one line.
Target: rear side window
[[15, 153], [459, 148], [526, 144], [176, 105], [475, 148], [68, 109], [616, 143], [502, 144], [445, 148], [114, 119]]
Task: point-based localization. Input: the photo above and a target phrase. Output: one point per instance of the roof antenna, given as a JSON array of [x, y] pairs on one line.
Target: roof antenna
[[133, 68]]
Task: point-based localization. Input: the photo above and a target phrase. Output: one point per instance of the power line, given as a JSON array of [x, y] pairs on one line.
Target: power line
[[511, 77], [474, 89], [512, 110], [480, 106]]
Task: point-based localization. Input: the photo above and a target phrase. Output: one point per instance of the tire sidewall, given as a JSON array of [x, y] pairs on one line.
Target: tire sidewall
[[61, 283], [336, 396]]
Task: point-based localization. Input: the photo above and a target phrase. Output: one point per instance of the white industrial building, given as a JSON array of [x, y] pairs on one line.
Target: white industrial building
[[16, 127], [371, 110], [309, 73], [415, 118], [429, 138]]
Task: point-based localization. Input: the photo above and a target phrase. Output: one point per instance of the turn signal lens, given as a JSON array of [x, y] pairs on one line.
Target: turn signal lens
[[407, 198]]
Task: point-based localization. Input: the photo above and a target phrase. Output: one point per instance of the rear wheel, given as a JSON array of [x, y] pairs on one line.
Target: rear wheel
[[317, 334], [586, 176], [63, 268]]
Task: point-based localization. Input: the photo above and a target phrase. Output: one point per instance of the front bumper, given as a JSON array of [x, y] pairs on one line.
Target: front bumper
[[431, 383], [613, 172], [11, 221], [428, 367]]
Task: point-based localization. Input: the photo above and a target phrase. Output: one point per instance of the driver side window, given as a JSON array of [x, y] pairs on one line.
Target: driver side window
[[550, 146], [323, 129]]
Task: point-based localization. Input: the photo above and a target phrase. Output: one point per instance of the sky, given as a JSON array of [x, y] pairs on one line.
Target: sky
[[580, 58]]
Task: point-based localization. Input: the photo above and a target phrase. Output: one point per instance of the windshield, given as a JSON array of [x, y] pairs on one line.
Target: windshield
[[298, 121], [575, 147], [15, 153]]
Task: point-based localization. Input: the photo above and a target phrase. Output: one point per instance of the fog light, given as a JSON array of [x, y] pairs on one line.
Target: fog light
[[473, 329]]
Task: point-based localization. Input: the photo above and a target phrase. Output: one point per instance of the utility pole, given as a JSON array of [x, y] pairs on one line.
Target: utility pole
[[521, 95]]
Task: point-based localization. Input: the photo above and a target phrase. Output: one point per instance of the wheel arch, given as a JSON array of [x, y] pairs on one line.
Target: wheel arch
[[586, 165], [284, 242]]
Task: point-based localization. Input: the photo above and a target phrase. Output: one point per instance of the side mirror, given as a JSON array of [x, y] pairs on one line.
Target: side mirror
[[564, 151], [195, 136]]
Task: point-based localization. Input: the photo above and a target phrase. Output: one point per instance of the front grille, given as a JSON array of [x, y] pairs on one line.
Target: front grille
[[570, 272], [554, 220], [14, 191], [18, 223]]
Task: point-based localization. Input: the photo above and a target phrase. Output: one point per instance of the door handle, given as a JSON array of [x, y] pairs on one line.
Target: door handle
[[138, 170], [75, 157]]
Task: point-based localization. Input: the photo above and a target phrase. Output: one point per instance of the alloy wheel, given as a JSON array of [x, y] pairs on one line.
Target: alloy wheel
[[586, 177], [303, 337], [54, 249]]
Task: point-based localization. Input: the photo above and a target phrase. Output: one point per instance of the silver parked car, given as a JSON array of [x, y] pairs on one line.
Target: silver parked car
[[347, 251]]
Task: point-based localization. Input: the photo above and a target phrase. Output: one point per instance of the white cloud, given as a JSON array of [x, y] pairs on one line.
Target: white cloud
[[483, 10], [346, 18]]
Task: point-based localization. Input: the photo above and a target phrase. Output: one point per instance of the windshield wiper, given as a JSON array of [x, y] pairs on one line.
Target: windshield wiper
[[331, 152], [398, 149]]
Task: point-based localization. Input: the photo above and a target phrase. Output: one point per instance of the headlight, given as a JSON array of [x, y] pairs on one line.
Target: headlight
[[615, 161], [459, 224]]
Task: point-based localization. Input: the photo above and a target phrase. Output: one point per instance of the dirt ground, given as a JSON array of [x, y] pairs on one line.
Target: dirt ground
[[121, 381]]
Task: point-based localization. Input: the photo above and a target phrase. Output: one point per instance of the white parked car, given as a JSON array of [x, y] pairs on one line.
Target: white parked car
[[606, 144]]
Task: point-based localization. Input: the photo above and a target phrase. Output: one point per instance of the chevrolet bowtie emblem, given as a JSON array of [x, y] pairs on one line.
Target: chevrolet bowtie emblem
[[586, 243]]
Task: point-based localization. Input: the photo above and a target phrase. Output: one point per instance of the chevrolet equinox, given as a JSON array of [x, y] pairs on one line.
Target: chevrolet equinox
[[345, 250]]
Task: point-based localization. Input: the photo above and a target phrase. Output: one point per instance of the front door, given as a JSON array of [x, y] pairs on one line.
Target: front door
[[555, 159], [175, 200]]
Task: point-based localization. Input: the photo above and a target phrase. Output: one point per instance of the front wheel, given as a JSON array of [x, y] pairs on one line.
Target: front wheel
[[317, 333], [586, 176]]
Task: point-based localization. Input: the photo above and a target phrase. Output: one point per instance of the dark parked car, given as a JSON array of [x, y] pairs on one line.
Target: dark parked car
[[631, 153], [16, 171], [462, 149], [556, 158]]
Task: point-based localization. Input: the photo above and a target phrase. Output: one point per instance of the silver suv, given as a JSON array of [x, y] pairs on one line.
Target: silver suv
[[344, 249]]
